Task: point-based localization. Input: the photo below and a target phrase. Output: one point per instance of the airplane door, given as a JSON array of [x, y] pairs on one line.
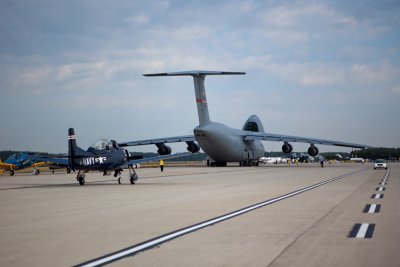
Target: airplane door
[[247, 155], [250, 154]]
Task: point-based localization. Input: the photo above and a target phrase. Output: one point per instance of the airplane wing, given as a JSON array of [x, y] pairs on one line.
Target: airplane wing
[[157, 158], [8, 167], [60, 161], [174, 139], [251, 136]]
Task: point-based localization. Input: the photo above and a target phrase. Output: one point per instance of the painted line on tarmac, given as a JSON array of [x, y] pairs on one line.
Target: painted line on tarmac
[[376, 196], [132, 250], [362, 230], [372, 208]]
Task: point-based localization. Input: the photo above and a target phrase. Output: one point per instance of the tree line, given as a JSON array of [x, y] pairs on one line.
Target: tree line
[[378, 153]]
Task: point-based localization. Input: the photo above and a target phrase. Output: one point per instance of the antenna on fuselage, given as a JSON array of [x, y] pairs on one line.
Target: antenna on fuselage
[[198, 78]]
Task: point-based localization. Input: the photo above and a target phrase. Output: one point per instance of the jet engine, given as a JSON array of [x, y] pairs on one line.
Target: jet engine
[[193, 147], [313, 151], [287, 148], [163, 149]]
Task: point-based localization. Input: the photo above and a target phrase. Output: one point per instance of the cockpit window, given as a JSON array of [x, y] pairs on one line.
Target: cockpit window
[[251, 126], [101, 144], [114, 144], [12, 157]]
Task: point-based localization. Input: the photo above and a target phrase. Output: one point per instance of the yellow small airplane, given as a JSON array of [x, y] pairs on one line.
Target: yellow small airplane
[[20, 161]]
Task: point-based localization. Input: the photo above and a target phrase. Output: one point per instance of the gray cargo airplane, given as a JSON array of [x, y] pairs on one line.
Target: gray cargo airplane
[[224, 144]]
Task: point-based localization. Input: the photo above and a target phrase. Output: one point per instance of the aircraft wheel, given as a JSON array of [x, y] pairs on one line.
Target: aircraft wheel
[[81, 180], [119, 180], [36, 172], [11, 173], [132, 180]]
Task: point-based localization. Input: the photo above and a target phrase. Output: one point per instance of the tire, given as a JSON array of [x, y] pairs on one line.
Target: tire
[[81, 181], [119, 180]]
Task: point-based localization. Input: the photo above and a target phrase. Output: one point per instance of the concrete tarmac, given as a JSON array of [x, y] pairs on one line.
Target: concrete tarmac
[[50, 220]]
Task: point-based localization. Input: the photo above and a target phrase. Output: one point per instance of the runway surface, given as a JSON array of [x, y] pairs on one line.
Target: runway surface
[[340, 215]]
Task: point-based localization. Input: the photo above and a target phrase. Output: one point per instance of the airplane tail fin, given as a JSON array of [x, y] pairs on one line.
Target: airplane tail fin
[[73, 150], [198, 78]]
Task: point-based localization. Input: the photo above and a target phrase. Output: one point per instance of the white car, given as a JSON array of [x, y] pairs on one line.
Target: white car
[[380, 163]]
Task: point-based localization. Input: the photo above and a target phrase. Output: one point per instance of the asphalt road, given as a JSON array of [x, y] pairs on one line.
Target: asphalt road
[[296, 216]]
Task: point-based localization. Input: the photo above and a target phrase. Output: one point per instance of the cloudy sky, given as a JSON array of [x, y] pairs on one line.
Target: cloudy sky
[[325, 69]]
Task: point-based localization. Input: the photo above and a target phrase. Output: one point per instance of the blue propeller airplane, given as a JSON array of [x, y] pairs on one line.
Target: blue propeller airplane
[[104, 155], [20, 161]]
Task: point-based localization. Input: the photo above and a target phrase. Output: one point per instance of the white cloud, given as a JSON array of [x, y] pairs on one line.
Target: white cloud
[[306, 74], [294, 14], [367, 74], [32, 76]]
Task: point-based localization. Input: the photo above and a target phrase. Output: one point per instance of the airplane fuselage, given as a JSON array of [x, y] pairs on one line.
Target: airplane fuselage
[[101, 160], [225, 144]]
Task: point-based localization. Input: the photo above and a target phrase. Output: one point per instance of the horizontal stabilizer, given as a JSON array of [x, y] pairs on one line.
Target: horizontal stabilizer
[[195, 73]]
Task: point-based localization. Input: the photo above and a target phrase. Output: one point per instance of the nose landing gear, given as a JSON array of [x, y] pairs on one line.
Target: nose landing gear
[[80, 177]]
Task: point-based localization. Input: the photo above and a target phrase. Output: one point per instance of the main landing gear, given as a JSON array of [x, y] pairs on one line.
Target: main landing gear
[[81, 178], [249, 163], [132, 175], [217, 164], [118, 173]]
